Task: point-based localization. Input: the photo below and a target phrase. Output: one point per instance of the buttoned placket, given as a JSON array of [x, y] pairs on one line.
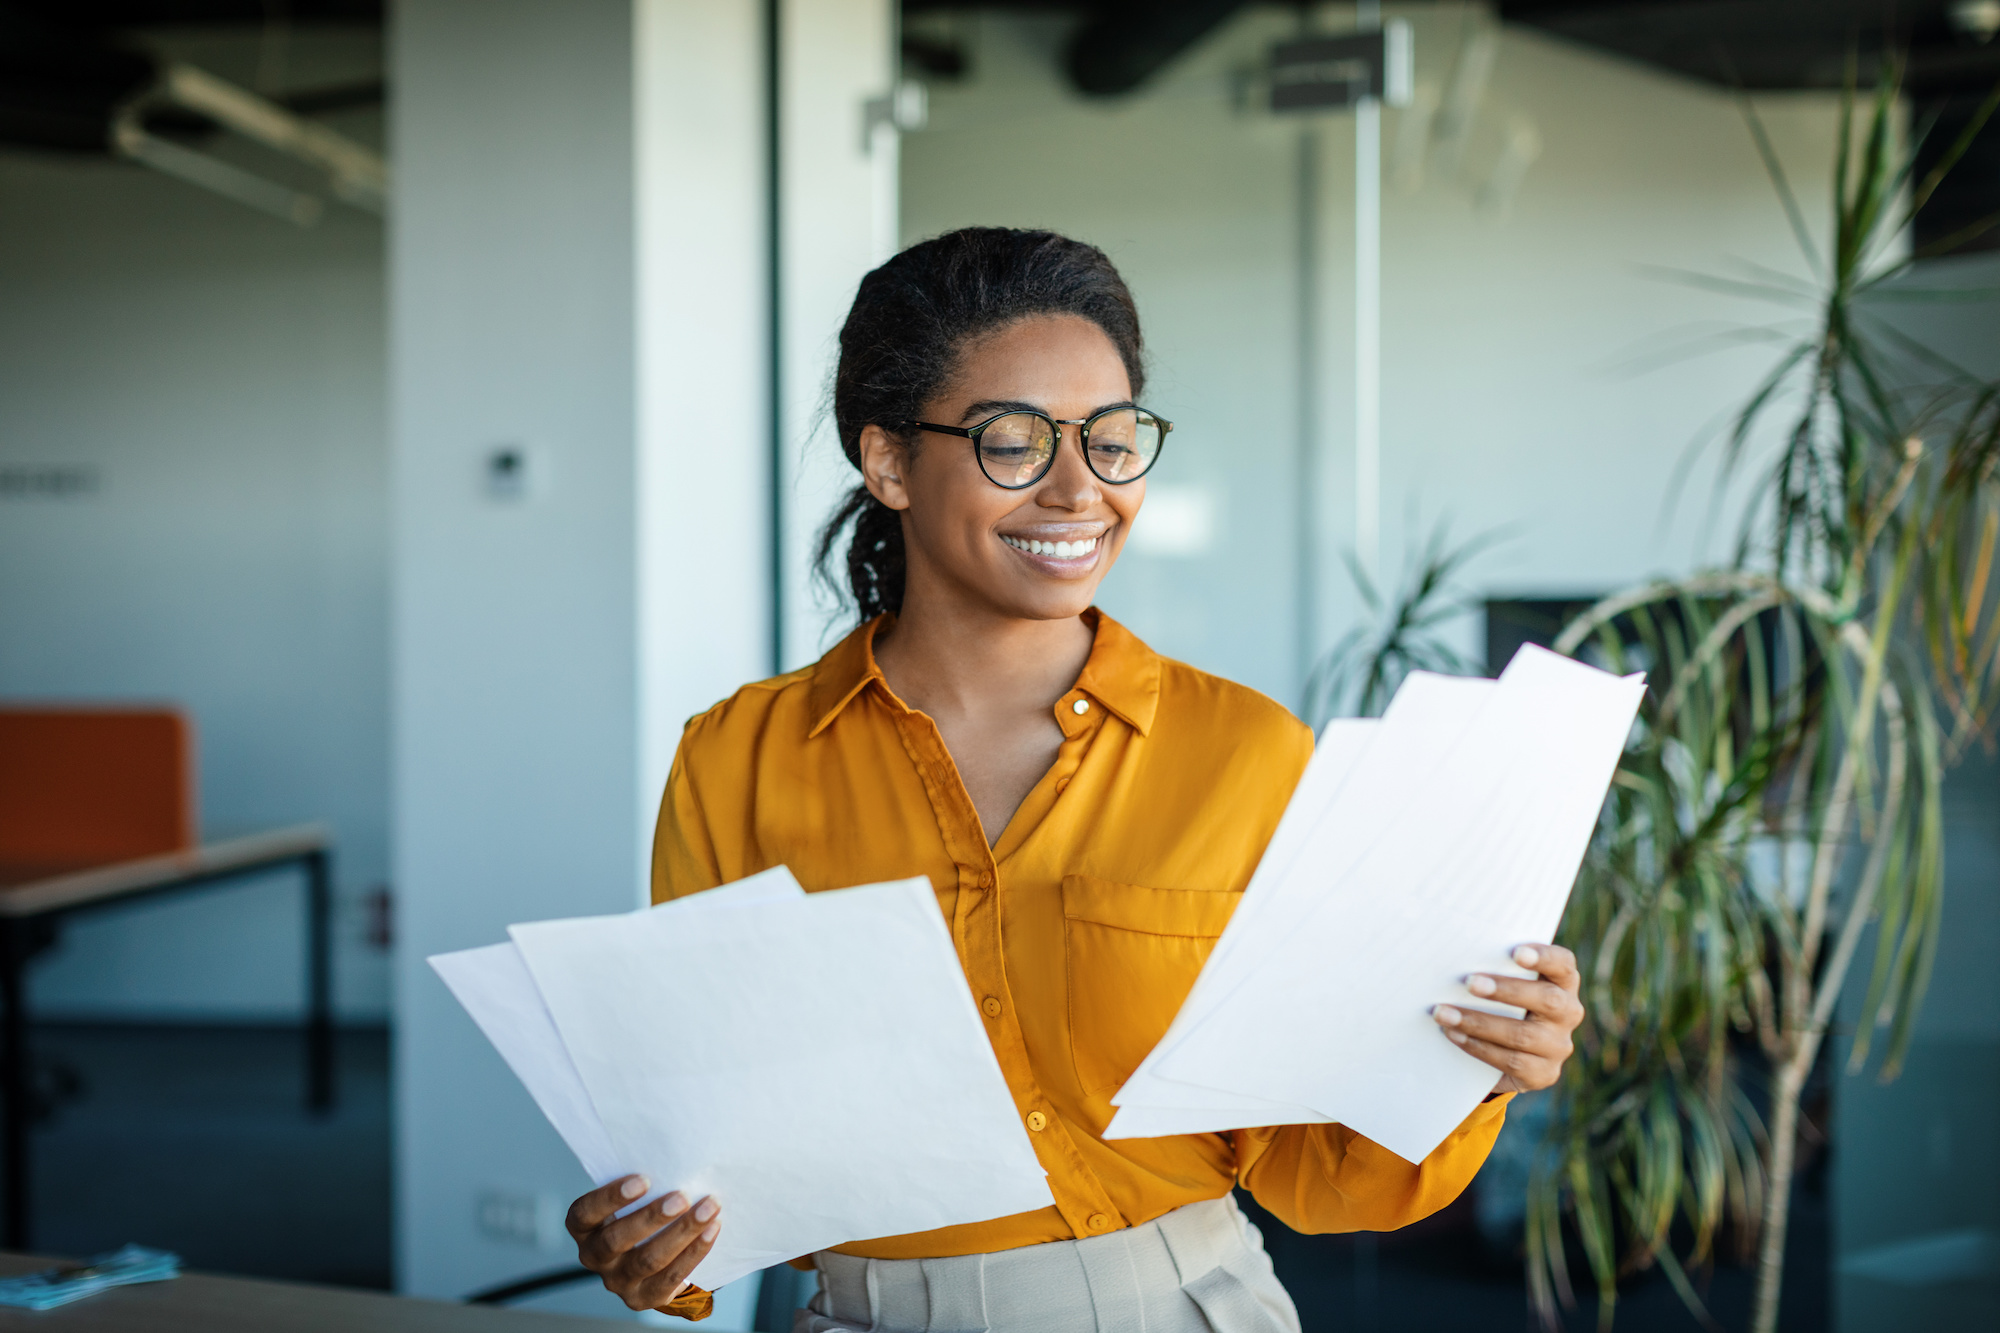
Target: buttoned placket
[[976, 930]]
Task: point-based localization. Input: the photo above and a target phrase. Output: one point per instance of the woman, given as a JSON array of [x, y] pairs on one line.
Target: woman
[[1088, 812]]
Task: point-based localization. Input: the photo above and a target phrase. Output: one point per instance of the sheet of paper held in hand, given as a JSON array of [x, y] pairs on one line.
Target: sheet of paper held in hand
[[839, 1085], [1416, 850]]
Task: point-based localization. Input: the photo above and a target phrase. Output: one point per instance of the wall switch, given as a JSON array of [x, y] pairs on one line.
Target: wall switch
[[508, 472]]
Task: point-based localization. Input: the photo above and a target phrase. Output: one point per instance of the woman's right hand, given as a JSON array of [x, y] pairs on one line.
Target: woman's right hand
[[644, 1257]]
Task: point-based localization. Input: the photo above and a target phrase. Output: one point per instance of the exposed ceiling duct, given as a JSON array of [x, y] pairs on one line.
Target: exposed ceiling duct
[[78, 76]]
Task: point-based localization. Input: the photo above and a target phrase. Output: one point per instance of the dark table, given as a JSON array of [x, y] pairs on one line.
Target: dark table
[[32, 904], [202, 1303]]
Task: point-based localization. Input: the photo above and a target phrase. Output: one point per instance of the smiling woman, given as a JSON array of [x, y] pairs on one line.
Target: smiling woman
[[1088, 812]]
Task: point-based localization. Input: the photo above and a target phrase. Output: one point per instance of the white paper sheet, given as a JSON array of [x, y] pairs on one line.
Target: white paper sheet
[[498, 991], [1154, 1107], [1454, 837], [1387, 763], [878, 1109]]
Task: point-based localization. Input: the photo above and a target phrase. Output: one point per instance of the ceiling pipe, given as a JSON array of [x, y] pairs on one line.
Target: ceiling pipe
[[1126, 42]]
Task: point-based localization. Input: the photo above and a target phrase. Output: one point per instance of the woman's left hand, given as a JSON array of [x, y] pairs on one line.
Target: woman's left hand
[[1528, 1051]]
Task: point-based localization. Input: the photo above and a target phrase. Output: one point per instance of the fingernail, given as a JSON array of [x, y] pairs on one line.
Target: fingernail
[[1480, 985], [711, 1231], [1526, 957], [1446, 1015], [674, 1204], [1458, 1037], [704, 1210], [633, 1188]]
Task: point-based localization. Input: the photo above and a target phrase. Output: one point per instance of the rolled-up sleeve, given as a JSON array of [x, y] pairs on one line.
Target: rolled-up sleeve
[[1319, 1178]]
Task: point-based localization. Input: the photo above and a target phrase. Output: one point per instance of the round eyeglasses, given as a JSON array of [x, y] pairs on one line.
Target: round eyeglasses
[[1016, 449]]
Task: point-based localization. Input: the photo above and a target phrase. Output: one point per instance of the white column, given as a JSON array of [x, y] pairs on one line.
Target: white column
[[838, 202], [575, 272]]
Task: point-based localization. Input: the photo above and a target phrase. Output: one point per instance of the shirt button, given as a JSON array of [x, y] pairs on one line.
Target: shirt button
[[1080, 707], [1097, 1222], [991, 1006], [985, 879], [1037, 1121], [1062, 785]]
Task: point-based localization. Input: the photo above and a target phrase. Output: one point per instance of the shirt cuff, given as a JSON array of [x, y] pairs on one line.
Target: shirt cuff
[[692, 1303]]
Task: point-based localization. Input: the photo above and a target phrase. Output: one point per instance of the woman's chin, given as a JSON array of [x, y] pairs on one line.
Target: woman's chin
[[1050, 599]]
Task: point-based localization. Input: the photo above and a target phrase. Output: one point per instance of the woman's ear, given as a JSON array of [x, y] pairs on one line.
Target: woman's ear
[[883, 462]]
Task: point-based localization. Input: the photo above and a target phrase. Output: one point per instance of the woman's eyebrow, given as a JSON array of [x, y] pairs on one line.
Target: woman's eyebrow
[[986, 407]]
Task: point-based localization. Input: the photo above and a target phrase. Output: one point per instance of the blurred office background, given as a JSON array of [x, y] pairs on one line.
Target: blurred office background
[[438, 519]]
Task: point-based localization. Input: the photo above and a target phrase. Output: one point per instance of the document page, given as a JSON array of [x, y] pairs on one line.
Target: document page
[[1454, 837], [498, 991], [817, 1065]]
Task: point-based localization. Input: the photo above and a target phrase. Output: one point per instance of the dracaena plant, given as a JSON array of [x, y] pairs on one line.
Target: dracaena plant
[[1781, 791]]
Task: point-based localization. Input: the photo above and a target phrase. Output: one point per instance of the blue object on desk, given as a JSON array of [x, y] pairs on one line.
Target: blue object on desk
[[59, 1286]]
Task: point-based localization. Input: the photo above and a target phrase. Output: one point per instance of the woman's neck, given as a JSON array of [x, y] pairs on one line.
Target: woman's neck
[[949, 659]]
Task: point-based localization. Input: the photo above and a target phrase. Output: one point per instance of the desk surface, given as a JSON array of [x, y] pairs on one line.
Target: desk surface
[[31, 893], [203, 1303]]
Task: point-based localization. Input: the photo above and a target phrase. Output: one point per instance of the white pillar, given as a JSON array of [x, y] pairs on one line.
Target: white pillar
[[838, 202], [576, 271]]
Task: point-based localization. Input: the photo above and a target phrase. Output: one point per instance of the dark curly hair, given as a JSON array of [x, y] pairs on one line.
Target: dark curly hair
[[909, 324]]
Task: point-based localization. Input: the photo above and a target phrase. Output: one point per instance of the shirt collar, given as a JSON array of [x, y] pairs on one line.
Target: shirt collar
[[1122, 673]]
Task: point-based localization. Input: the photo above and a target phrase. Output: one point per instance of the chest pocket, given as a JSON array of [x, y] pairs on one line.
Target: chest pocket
[[1131, 956]]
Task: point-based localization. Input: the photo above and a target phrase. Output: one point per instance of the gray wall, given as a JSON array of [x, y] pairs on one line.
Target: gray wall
[[221, 375]]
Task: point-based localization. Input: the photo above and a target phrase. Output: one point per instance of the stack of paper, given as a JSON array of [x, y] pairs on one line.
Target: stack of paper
[[814, 1062], [1417, 849], [123, 1267]]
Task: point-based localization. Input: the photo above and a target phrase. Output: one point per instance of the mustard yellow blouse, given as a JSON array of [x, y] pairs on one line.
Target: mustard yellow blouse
[[1080, 930]]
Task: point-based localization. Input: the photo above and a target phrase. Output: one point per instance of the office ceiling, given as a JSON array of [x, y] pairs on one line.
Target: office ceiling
[[65, 65], [1757, 45]]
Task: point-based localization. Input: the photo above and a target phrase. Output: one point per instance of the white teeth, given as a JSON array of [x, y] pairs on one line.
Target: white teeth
[[1060, 550]]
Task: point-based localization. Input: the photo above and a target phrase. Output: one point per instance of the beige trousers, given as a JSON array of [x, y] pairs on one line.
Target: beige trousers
[[1199, 1269]]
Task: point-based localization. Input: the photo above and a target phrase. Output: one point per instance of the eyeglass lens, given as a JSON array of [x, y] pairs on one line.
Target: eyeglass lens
[[1123, 444], [1017, 448]]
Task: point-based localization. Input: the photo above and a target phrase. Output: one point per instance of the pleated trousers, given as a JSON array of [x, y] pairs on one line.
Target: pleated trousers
[[1199, 1269]]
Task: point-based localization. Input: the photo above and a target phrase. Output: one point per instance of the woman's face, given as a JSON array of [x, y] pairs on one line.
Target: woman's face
[[968, 538]]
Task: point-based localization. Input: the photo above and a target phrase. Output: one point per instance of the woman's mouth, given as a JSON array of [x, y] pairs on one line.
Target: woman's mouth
[[1081, 549]]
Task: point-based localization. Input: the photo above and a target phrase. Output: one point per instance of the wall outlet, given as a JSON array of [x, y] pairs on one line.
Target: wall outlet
[[525, 1219]]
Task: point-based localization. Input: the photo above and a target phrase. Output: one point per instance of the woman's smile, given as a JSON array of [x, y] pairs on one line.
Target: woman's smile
[[1065, 553]]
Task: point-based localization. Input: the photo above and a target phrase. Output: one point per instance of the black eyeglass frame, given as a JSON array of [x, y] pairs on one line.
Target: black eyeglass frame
[[1056, 424]]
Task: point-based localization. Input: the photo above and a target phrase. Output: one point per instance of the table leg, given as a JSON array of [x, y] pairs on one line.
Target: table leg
[[17, 1114], [319, 981]]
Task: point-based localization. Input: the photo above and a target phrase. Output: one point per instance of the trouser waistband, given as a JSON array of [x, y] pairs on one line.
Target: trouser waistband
[[1199, 1268]]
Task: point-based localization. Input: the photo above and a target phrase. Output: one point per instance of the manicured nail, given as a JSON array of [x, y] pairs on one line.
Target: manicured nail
[[1526, 956], [633, 1188], [1458, 1037], [1447, 1015], [674, 1204], [711, 1231], [1480, 985], [706, 1209]]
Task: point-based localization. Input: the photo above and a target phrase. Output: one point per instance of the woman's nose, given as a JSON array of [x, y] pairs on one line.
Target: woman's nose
[[1070, 484]]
